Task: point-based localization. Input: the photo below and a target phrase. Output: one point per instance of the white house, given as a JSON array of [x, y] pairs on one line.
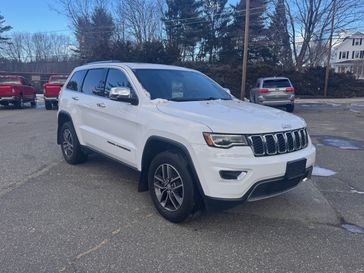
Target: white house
[[349, 55]]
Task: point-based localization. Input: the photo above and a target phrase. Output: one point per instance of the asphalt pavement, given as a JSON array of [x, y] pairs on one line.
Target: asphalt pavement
[[90, 218]]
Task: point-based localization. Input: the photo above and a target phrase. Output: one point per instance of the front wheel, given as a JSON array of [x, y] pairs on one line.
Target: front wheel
[[290, 108], [171, 186], [71, 147], [20, 103]]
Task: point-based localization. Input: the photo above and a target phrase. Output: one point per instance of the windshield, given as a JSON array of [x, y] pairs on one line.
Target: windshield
[[58, 79], [178, 85], [276, 83], [4, 81]]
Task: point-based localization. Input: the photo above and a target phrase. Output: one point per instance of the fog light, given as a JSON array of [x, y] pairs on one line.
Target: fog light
[[232, 175]]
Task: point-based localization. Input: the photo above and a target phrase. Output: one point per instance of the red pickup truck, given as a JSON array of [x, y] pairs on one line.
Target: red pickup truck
[[51, 90], [16, 90]]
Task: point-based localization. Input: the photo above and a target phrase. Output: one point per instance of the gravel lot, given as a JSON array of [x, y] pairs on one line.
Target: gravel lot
[[90, 218]]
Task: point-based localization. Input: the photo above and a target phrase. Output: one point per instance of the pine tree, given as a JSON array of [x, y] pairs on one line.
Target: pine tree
[[279, 36], [215, 21], [94, 35], [233, 42], [103, 26], [3, 28], [183, 26]]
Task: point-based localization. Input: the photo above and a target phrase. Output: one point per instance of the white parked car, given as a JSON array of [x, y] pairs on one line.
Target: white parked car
[[193, 143]]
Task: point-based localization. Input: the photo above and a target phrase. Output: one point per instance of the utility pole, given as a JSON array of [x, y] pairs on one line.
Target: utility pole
[[245, 53], [330, 47]]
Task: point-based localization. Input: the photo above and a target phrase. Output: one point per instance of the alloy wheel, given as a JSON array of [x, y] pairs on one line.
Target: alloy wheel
[[67, 142], [168, 187]]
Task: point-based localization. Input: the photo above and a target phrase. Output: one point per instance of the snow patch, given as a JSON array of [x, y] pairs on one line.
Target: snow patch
[[353, 228], [318, 171], [159, 101], [340, 143], [353, 190]]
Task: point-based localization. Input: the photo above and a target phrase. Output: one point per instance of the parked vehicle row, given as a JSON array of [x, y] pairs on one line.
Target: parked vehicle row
[[193, 143], [17, 90], [271, 91]]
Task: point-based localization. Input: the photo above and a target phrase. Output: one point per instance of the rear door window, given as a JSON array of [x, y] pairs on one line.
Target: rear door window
[[278, 83], [94, 83], [75, 82]]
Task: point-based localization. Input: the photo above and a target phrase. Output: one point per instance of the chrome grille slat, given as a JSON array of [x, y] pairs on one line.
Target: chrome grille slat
[[278, 143]]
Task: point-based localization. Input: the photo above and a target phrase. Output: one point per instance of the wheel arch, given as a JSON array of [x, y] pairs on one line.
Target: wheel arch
[[155, 145], [63, 117]]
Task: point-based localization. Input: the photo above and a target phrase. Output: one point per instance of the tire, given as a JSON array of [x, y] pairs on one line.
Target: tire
[[20, 103], [290, 108], [174, 200], [70, 146], [252, 98], [48, 105], [33, 103]]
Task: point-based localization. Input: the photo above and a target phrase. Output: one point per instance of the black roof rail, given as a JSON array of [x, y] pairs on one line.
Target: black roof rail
[[107, 61]]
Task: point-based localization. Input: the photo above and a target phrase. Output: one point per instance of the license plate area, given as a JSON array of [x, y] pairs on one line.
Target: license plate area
[[296, 168]]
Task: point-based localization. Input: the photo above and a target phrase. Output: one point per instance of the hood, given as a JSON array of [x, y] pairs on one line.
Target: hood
[[233, 116]]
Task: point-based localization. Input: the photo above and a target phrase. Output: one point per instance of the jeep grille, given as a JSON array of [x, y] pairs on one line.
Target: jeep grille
[[278, 143]]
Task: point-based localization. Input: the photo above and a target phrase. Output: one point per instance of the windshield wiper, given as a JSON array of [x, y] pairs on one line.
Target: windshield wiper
[[198, 99]]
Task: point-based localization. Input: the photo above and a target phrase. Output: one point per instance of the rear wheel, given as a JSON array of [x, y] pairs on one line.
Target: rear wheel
[[48, 105], [71, 148], [290, 107], [171, 186]]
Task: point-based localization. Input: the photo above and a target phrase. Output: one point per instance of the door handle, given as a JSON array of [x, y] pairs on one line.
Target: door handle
[[75, 98], [101, 105]]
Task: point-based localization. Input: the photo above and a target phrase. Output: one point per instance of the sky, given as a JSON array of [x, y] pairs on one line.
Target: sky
[[36, 16], [32, 15]]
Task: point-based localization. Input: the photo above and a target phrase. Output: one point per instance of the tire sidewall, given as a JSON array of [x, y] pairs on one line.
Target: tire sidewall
[[76, 145], [180, 164]]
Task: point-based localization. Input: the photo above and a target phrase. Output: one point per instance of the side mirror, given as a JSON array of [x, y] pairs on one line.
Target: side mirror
[[122, 94], [227, 91]]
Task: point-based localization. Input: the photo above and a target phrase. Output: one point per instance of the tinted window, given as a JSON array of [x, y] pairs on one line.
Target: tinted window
[[179, 85], [76, 80], [94, 83], [116, 78], [276, 83], [58, 79], [4, 80]]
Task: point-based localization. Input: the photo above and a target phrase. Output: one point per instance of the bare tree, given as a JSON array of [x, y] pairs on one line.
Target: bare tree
[[27, 47], [309, 26], [140, 19], [74, 9]]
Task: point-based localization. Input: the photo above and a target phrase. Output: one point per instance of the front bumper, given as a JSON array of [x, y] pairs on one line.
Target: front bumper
[[210, 161], [260, 190]]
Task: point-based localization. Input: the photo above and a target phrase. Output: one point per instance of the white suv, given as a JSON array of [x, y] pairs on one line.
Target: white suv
[[192, 142]]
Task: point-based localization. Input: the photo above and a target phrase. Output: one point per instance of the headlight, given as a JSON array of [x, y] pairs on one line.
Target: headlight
[[224, 140]]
